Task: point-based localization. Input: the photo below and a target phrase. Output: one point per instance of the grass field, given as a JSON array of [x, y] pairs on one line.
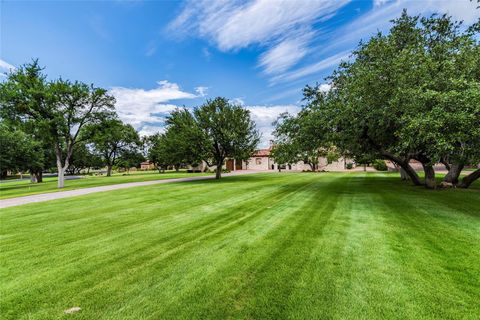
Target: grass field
[[264, 246], [11, 189]]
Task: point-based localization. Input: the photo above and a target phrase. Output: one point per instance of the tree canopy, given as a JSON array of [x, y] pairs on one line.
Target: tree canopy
[[413, 93], [57, 110], [227, 131], [112, 138]]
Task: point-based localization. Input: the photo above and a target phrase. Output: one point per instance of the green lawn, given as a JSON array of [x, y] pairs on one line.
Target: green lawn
[[265, 246], [11, 189]]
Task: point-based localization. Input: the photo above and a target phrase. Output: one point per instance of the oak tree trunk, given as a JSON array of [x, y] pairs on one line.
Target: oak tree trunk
[[39, 176], [405, 166], [61, 176], [430, 182], [453, 173], [218, 170], [109, 170], [403, 174], [468, 180]]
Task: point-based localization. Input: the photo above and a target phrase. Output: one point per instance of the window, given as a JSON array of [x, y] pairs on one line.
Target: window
[[258, 160]]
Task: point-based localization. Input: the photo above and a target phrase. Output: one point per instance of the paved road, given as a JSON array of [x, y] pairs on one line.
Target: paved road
[[79, 192]]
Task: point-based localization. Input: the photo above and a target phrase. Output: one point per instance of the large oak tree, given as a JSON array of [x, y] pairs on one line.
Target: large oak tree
[[57, 110], [227, 131]]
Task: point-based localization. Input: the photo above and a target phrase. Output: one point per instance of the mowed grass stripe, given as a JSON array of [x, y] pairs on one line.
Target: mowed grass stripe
[[255, 255], [130, 250], [272, 246], [427, 242]]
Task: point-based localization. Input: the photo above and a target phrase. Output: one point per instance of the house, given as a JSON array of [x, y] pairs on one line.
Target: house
[[147, 165], [261, 160]]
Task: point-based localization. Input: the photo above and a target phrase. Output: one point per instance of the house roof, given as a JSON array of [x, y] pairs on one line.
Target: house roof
[[262, 153]]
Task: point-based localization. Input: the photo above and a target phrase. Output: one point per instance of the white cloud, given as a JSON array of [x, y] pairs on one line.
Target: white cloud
[[264, 116], [379, 18], [285, 54], [313, 68], [144, 108], [325, 87], [201, 91], [378, 3], [235, 25], [148, 130], [6, 66], [237, 101]]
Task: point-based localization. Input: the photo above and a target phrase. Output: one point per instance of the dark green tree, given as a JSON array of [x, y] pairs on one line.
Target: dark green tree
[[158, 152], [304, 137], [183, 140], [84, 157], [227, 131], [130, 158], [411, 94], [27, 89], [111, 137], [57, 110], [18, 152]]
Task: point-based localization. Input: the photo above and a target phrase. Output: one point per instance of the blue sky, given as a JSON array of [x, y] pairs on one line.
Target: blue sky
[[156, 55]]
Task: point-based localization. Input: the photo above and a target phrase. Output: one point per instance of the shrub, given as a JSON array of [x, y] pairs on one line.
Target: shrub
[[380, 165], [349, 165]]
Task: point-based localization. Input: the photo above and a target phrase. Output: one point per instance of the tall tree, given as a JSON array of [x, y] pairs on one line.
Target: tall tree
[[183, 139], [25, 89], [58, 110], [18, 151], [364, 94], [111, 137], [84, 157], [76, 105], [130, 158], [228, 130], [158, 152], [304, 137], [411, 94], [448, 102], [284, 152]]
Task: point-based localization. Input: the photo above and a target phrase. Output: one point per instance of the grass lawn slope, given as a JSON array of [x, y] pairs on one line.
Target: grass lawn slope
[[11, 189], [263, 246]]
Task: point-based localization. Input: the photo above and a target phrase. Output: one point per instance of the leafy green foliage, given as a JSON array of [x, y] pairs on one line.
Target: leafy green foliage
[[158, 152], [112, 138], [54, 111], [413, 93], [84, 157], [380, 165], [18, 152], [226, 130], [130, 158]]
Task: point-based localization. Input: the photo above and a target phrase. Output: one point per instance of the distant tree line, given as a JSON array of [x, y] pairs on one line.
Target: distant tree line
[[410, 94], [58, 123], [72, 127]]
